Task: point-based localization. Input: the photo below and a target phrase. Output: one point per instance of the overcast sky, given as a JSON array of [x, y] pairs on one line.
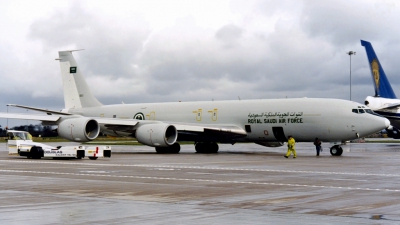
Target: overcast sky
[[157, 51]]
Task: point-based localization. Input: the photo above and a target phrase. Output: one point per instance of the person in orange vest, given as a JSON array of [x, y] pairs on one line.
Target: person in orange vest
[[291, 147]]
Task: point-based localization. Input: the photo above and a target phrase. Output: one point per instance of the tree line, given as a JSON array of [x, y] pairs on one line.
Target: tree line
[[35, 130]]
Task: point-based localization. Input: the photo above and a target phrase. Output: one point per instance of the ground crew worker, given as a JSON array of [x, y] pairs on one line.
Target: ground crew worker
[[11, 136], [291, 143], [317, 144]]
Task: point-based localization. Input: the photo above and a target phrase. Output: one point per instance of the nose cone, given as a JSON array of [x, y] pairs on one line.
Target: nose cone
[[387, 123]]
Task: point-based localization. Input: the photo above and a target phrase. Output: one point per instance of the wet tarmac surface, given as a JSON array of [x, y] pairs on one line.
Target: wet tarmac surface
[[242, 184]]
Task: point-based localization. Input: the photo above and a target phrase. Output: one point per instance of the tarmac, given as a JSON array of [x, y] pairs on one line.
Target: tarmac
[[242, 184]]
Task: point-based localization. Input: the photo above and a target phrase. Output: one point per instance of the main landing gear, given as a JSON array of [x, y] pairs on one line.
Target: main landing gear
[[201, 147], [173, 149], [206, 147], [336, 150]]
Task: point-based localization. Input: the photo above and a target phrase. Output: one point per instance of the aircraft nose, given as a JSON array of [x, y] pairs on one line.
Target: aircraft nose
[[387, 123]]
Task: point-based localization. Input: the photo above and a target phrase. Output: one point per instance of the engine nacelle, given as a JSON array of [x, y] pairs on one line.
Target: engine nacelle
[[79, 129], [270, 144], [157, 135]]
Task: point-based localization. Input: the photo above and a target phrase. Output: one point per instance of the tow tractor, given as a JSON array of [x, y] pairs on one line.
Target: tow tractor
[[20, 143]]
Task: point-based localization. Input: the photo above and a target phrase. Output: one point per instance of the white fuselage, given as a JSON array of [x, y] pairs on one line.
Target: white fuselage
[[303, 118], [380, 105]]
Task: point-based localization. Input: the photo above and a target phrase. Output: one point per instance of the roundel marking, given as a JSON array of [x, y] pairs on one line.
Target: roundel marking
[[139, 116]]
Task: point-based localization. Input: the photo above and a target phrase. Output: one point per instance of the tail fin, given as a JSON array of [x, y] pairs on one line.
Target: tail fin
[[76, 91], [382, 85]]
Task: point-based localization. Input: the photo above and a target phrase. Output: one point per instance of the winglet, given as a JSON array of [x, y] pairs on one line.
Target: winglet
[[381, 83]]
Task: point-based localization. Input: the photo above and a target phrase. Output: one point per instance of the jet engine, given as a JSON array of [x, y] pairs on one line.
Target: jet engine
[[79, 129], [157, 134], [270, 144]]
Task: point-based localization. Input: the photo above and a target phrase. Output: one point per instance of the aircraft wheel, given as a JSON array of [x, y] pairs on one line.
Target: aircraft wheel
[[213, 147], [92, 158], [199, 147], [340, 151], [160, 150], [175, 148], [206, 147], [336, 150]]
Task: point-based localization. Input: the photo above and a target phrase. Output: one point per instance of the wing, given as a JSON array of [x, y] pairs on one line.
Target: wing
[[209, 132], [389, 106], [186, 131], [120, 125], [44, 118]]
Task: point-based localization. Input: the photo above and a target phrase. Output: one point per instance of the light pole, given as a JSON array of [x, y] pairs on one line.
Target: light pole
[[350, 53], [7, 118]]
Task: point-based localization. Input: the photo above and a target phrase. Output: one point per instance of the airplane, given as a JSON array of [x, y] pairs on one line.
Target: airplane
[[385, 102], [265, 122]]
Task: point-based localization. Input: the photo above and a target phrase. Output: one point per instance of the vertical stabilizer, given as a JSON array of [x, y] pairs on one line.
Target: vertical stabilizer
[[381, 83], [76, 91]]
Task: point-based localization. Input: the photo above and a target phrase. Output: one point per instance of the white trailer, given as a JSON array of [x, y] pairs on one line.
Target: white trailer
[[20, 143], [94, 152]]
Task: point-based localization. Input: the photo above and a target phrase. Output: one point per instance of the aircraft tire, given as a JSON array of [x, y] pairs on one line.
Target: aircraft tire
[[336, 150], [340, 151], [175, 148], [214, 147], [199, 147], [160, 150], [92, 158], [206, 148]]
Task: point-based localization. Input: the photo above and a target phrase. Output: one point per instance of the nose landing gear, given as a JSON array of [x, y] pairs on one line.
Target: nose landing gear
[[336, 150]]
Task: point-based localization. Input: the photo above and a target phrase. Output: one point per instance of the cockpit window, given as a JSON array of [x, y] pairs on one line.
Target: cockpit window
[[369, 111], [364, 110]]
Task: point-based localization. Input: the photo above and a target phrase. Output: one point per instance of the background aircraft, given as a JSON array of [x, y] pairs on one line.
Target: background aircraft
[[384, 102], [163, 125]]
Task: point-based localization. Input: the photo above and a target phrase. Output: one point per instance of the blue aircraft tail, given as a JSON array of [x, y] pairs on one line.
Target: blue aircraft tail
[[382, 85]]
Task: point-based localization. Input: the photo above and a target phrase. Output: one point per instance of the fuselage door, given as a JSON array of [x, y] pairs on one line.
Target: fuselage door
[[279, 134]]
